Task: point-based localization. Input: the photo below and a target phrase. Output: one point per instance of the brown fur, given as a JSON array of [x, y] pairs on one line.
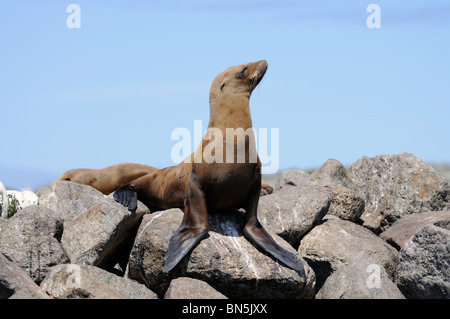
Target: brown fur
[[110, 178], [107, 179]]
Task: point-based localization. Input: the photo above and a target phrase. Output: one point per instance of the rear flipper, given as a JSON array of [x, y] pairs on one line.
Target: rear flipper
[[261, 238], [127, 196], [182, 241]]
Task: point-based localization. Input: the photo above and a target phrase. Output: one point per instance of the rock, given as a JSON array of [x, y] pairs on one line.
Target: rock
[[345, 202], [16, 284], [24, 198], [12, 201], [102, 235], [3, 202], [404, 228], [334, 242], [393, 186], [292, 211], [362, 277], [424, 263], [331, 173], [189, 288], [15, 201], [291, 177], [72, 281], [68, 199], [31, 239], [225, 260]]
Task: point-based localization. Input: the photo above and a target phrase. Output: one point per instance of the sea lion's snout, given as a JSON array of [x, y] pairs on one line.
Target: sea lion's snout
[[260, 70], [264, 64]]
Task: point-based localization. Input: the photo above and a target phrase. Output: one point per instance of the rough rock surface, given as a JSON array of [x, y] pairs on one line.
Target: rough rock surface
[[345, 201], [106, 229], [332, 172], [31, 239], [189, 288], [73, 281], [361, 277], [334, 242], [404, 228], [68, 199], [397, 185], [292, 177], [225, 260], [424, 263], [16, 284], [293, 211]]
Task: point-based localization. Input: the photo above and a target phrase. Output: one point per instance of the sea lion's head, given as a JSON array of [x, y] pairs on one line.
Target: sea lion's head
[[239, 79], [78, 175]]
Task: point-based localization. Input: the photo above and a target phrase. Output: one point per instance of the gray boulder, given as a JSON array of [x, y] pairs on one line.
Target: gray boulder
[[72, 281], [291, 177], [189, 288], [31, 239], [68, 199], [100, 235], [424, 263], [334, 242], [225, 260], [393, 186], [362, 277], [332, 172], [345, 201], [404, 228], [292, 211], [16, 284]]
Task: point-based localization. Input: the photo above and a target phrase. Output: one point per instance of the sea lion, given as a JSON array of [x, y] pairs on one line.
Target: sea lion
[[107, 179], [110, 178], [199, 186]]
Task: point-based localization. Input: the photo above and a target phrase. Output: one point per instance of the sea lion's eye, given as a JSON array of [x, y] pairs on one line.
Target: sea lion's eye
[[242, 73], [221, 87]]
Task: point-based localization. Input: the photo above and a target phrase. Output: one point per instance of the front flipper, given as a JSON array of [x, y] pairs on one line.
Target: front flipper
[[257, 235], [194, 227], [181, 243], [127, 196], [261, 238]]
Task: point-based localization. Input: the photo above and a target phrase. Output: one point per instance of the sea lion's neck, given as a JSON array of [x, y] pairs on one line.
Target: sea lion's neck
[[230, 113]]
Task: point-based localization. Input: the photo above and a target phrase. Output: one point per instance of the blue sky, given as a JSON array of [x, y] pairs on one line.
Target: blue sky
[[113, 90]]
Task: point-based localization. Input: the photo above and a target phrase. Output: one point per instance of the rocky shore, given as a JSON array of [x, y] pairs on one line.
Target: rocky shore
[[380, 229]]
